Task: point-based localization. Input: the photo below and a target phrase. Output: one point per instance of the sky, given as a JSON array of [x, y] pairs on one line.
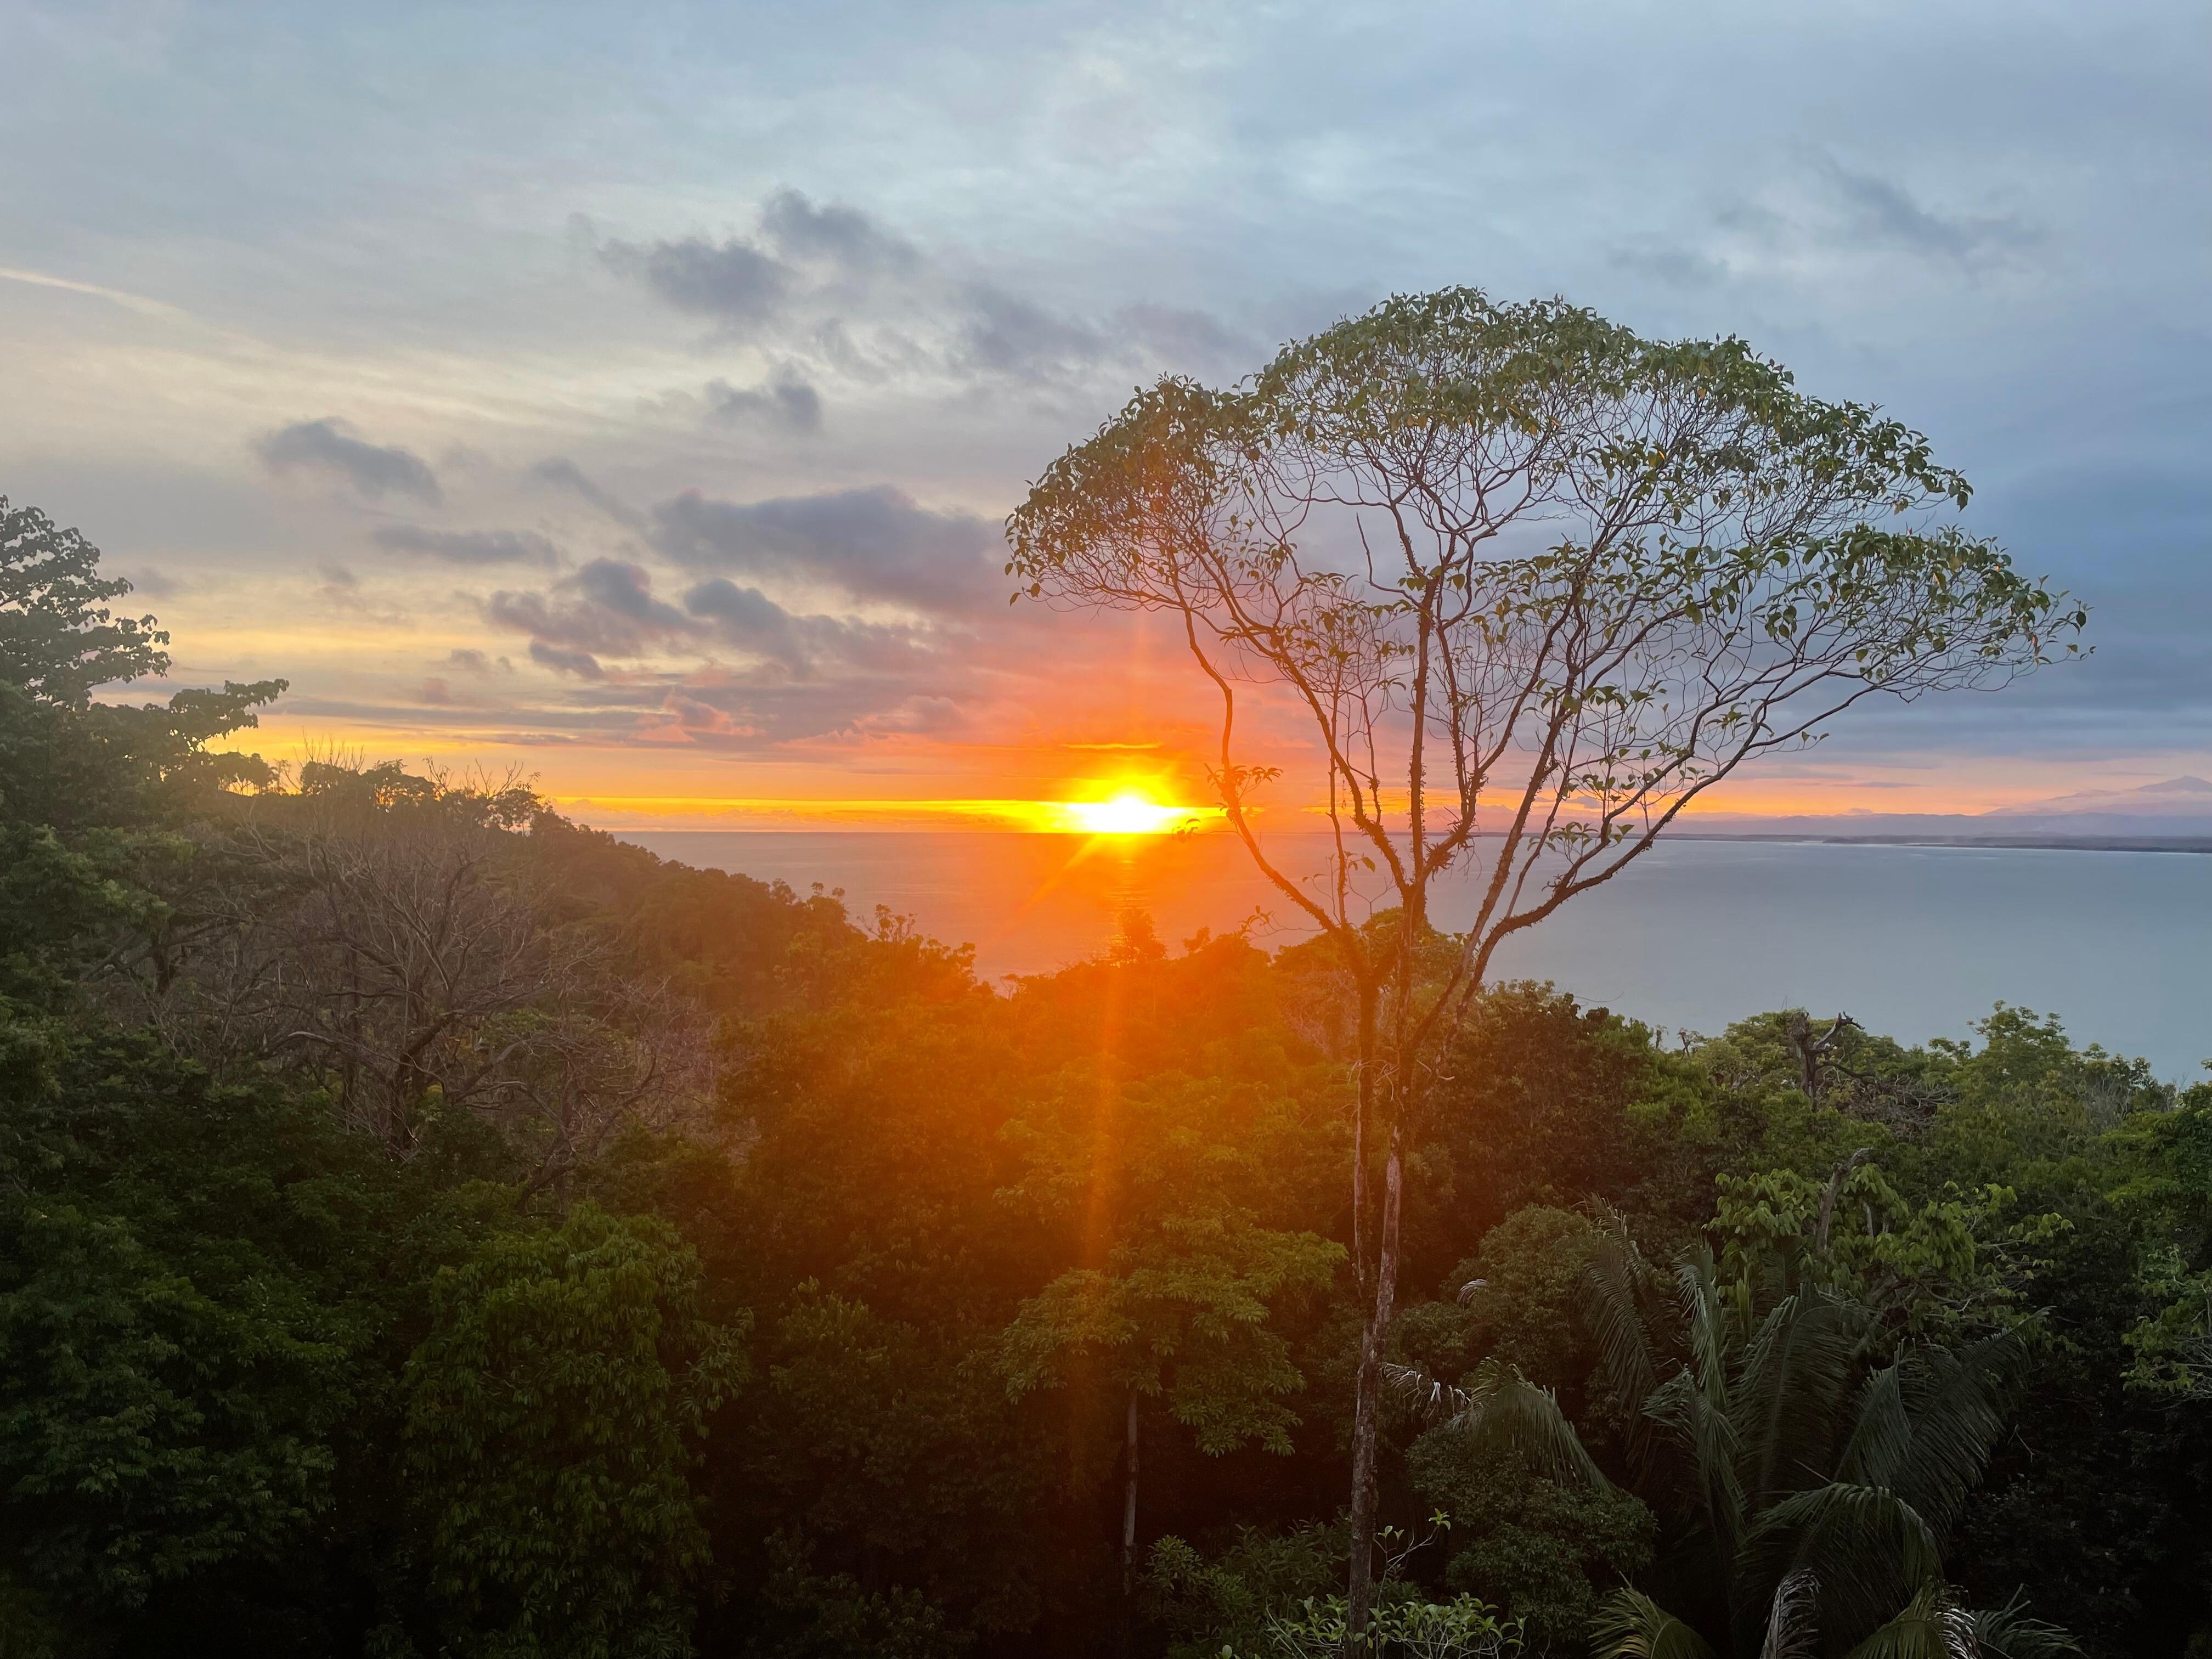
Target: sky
[[632, 396]]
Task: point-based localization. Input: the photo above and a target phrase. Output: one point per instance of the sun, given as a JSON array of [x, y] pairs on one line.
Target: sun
[[1128, 813]]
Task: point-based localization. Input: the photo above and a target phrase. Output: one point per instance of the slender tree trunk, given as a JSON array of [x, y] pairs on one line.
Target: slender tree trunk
[[1369, 1282], [1130, 1537], [1367, 1414]]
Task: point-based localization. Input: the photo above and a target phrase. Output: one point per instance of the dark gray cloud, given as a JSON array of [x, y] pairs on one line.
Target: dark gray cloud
[[744, 282], [808, 273], [1882, 212], [562, 473], [872, 544], [468, 546], [606, 608], [787, 402], [1005, 334], [749, 621], [582, 664], [375, 470], [335, 574], [733, 281], [842, 237]]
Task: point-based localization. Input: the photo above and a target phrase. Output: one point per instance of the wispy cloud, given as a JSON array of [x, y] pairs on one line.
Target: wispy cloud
[[1881, 212]]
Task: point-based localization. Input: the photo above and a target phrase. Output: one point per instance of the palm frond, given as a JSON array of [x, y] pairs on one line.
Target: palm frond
[[1926, 1627], [1505, 1412], [1870, 1548], [1704, 1431], [1632, 1625], [1956, 1403], [2007, 1633], [1792, 1618], [1618, 1278], [1880, 1442], [1621, 1286], [1428, 1398], [1791, 1392], [1705, 1315]]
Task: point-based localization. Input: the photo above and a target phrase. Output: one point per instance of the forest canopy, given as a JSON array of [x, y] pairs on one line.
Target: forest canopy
[[428, 1226]]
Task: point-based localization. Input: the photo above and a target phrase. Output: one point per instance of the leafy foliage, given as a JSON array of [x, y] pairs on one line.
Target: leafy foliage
[[552, 1413]]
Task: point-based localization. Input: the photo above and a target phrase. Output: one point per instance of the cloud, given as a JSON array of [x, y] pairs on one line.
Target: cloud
[[873, 544], [918, 715], [749, 621], [1007, 335], [1882, 212], [606, 608], [684, 719], [1675, 267], [436, 691], [581, 664], [336, 575], [465, 659], [1186, 339], [832, 283], [468, 546], [745, 282], [564, 474], [840, 236], [733, 281], [786, 402], [328, 446]]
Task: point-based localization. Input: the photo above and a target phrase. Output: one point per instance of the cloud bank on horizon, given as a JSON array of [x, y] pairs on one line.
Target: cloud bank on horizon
[[639, 392]]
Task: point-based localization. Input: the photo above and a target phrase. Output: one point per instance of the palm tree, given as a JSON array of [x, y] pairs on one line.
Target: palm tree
[[1806, 1467]]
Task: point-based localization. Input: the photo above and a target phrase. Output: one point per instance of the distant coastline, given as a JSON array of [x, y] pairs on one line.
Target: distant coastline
[[2025, 841], [2055, 843]]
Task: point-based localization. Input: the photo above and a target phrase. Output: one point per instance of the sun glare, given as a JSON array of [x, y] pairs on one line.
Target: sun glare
[[1128, 814]]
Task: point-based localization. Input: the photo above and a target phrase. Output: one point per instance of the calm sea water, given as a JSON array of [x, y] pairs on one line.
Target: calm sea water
[[1917, 942]]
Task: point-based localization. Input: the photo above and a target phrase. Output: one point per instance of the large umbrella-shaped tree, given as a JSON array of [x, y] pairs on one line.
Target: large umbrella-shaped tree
[[1530, 586]]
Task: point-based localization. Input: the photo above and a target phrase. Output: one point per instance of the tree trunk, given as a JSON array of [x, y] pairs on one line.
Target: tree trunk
[[1130, 1537], [1367, 1414], [1359, 1591]]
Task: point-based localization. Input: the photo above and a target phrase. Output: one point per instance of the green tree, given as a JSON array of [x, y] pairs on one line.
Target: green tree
[[1807, 1472], [1172, 1196], [58, 639], [1179, 1316], [1544, 1549], [553, 1414], [92, 796], [184, 1338], [1537, 586]]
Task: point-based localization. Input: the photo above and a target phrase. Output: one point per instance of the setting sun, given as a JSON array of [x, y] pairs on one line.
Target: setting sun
[[1130, 813]]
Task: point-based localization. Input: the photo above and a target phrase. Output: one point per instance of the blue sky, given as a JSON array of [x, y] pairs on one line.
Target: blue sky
[[392, 344]]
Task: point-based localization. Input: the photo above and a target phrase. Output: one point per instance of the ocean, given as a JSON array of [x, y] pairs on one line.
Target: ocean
[[1917, 942]]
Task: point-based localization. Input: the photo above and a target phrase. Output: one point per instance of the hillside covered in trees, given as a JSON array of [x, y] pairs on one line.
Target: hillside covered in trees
[[428, 1226]]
